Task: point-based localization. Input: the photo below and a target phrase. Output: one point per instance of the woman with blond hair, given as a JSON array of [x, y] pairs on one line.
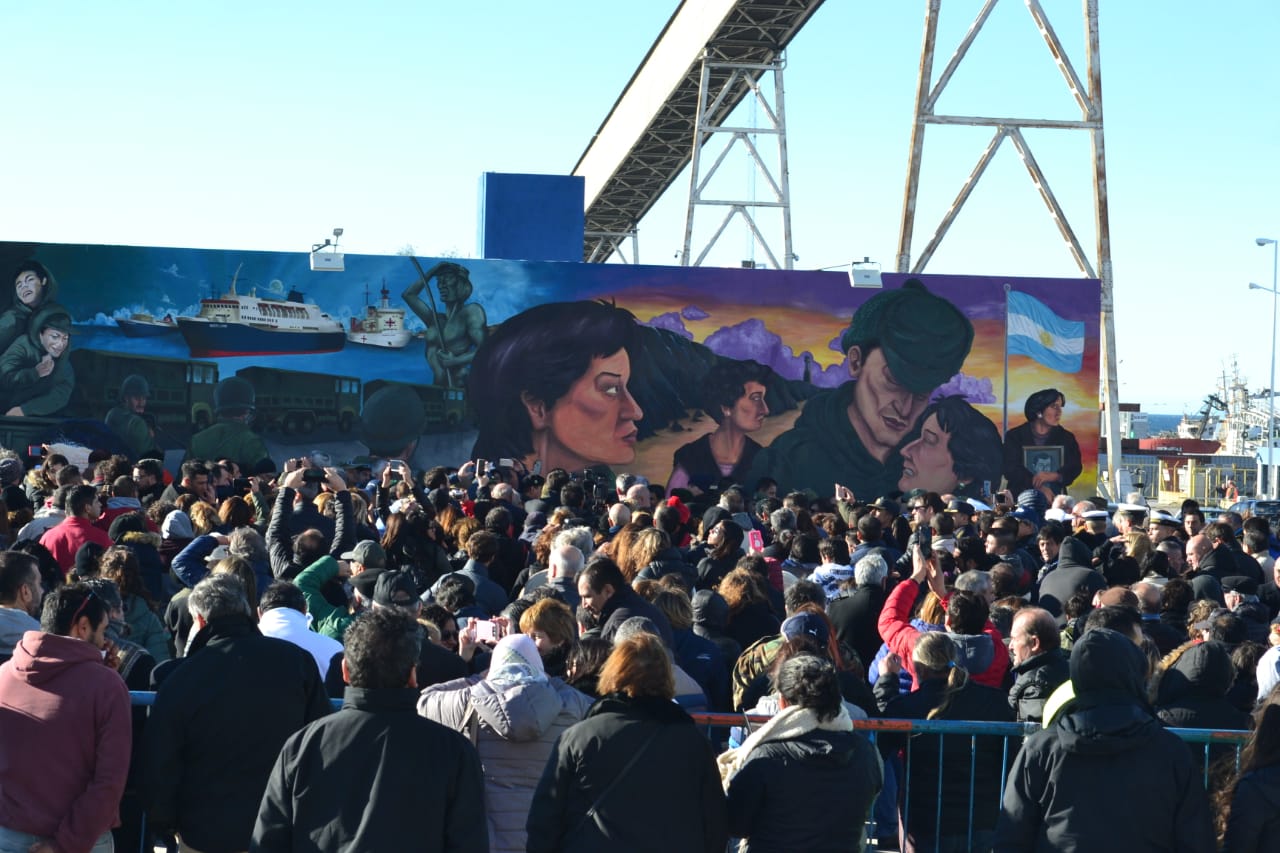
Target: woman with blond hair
[[636, 774], [204, 519], [554, 631]]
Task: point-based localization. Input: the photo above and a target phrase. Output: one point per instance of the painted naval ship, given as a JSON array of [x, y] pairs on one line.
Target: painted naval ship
[[381, 326], [147, 326], [235, 324]]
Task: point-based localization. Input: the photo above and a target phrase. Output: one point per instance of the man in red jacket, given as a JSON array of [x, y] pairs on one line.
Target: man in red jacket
[[65, 731], [980, 645], [66, 537]]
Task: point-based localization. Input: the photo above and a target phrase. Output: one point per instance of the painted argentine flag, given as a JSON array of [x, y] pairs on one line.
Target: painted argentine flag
[[1035, 331]]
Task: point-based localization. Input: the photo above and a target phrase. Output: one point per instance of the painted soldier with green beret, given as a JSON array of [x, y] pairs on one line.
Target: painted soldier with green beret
[[901, 345], [234, 403], [36, 378]]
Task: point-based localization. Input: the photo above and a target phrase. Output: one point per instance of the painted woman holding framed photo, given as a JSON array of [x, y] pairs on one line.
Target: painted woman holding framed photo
[[1042, 454]]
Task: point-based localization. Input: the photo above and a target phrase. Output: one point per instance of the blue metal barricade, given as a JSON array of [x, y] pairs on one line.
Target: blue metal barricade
[[908, 731], [1212, 741]]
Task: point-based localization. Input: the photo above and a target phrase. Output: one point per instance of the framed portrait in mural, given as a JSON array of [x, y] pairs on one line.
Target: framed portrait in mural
[[1045, 459]]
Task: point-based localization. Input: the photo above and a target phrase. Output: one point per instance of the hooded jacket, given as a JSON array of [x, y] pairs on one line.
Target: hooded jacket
[[21, 385], [1074, 571], [1189, 689], [781, 783], [1105, 775], [984, 655], [65, 735], [518, 728], [15, 319]]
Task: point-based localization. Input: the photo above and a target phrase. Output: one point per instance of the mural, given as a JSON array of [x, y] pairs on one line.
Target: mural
[[689, 376]]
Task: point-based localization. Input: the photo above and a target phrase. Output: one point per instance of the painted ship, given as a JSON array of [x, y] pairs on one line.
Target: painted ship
[[381, 326], [147, 326], [235, 324]]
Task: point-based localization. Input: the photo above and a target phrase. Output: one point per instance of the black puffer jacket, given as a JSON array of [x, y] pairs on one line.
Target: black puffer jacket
[[1189, 689], [1105, 775], [668, 801], [809, 793], [1034, 682]]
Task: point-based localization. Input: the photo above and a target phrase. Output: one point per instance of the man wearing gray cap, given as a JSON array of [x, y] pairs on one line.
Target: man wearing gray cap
[[361, 565], [901, 345]]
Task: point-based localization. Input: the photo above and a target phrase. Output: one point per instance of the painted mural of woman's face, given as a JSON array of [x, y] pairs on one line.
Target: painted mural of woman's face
[[594, 423], [28, 288], [927, 462], [749, 410]]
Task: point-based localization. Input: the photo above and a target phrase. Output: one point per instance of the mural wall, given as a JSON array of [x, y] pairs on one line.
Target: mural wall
[[685, 375]]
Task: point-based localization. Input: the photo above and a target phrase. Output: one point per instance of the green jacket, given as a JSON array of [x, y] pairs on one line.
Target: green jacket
[[823, 449], [132, 430], [325, 618], [15, 319], [230, 440], [145, 628], [20, 385]]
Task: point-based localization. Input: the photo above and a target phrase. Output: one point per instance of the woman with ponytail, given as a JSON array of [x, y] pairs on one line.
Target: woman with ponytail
[[945, 691]]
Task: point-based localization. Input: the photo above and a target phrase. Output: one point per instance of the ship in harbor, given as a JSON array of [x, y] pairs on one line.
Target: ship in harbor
[[147, 326], [381, 326], [235, 324]]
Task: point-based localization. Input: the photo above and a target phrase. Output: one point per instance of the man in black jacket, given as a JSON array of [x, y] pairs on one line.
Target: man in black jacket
[[291, 553], [1039, 665], [606, 593], [1072, 574], [1105, 774], [376, 745], [220, 718]]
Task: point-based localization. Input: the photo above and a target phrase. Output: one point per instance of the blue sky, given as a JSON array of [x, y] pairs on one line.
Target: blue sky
[[263, 126]]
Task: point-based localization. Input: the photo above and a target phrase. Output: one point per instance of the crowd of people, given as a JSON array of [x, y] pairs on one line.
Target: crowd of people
[[518, 657]]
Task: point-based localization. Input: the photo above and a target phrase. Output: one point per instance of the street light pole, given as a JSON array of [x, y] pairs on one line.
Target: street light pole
[[1271, 390]]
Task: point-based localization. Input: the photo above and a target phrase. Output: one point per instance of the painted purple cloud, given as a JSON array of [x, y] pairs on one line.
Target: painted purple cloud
[[973, 388], [751, 339], [671, 322], [693, 312]]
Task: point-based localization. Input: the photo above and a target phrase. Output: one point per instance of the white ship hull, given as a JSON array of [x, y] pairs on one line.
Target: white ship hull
[[394, 339]]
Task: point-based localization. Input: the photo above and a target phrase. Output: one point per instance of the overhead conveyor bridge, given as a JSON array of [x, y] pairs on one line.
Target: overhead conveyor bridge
[[647, 137]]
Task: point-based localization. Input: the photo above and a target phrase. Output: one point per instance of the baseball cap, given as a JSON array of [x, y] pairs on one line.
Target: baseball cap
[[368, 554], [10, 470], [810, 624], [395, 589]]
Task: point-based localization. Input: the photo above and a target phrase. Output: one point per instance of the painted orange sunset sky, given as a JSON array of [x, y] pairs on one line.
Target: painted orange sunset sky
[[803, 328]]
